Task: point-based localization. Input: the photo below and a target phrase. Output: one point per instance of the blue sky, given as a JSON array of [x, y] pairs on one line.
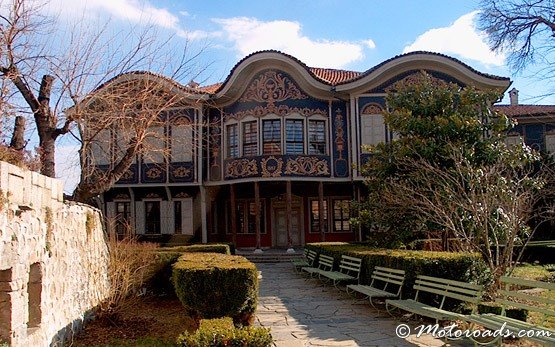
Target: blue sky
[[352, 35]]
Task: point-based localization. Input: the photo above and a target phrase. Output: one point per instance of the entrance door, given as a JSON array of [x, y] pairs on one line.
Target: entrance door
[[280, 227]]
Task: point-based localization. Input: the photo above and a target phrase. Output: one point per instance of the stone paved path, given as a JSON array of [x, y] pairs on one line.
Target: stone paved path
[[302, 312]]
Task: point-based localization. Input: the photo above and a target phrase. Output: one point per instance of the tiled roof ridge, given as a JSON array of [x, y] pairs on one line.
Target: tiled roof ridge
[[154, 74], [359, 75]]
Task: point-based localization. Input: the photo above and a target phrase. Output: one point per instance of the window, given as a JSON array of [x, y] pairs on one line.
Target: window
[[232, 141], [177, 217], [550, 143], [250, 139], [152, 217], [294, 132], [123, 217], [372, 129], [316, 137], [341, 215], [271, 136], [315, 216], [514, 139], [246, 217]]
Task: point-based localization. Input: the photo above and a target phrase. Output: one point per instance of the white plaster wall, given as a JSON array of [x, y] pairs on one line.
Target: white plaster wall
[[67, 240]]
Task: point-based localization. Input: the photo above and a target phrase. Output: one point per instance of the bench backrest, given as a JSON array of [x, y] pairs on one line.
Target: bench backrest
[[445, 288], [325, 262], [389, 277], [512, 297], [310, 257], [350, 265]]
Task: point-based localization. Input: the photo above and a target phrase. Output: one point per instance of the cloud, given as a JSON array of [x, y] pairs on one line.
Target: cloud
[[461, 38], [133, 11], [250, 35], [369, 43]]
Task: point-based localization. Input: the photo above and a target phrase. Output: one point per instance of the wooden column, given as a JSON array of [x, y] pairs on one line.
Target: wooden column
[[233, 214], [257, 215], [289, 220], [321, 210]]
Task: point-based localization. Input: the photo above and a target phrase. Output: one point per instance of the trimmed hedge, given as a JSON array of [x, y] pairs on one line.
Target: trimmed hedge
[[212, 285], [221, 332], [456, 266], [167, 256]]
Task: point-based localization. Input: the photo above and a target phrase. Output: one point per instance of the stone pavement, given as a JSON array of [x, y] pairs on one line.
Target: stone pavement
[[303, 312]]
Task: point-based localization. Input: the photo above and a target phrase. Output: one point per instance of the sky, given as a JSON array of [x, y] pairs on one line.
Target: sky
[[342, 34]]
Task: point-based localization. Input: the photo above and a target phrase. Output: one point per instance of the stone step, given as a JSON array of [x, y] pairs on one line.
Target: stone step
[[270, 256]]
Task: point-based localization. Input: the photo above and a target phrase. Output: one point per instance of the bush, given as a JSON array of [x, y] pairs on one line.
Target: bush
[[131, 266], [167, 256], [205, 248], [456, 266], [212, 285], [221, 332]]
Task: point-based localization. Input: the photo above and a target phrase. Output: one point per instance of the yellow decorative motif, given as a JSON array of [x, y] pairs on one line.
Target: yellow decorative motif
[[272, 87], [307, 166], [127, 175], [182, 195], [153, 173], [271, 166], [181, 172], [281, 110], [241, 168], [372, 109]]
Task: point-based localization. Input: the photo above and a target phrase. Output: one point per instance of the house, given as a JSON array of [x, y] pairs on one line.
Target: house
[[269, 157]]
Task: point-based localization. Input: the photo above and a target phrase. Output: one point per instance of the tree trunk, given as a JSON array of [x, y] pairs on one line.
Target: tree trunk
[[18, 136], [46, 126]]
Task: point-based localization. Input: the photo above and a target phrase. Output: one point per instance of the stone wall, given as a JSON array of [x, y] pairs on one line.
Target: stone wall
[[53, 260]]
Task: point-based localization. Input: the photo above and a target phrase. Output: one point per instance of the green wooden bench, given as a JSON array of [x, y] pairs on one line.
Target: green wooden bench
[[308, 260], [325, 263], [509, 297], [349, 271], [386, 283], [443, 289]]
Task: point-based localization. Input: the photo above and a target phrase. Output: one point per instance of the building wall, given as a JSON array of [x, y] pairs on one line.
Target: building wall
[[53, 260]]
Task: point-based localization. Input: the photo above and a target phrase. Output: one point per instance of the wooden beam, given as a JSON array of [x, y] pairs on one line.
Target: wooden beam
[[321, 210], [233, 214], [257, 212], [289, 220]]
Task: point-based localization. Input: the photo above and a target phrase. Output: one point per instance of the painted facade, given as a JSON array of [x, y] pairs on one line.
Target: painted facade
[[278, 138]]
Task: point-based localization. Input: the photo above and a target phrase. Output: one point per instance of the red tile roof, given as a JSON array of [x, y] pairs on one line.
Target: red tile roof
[[526, 110], [334, 76], [210, 89]]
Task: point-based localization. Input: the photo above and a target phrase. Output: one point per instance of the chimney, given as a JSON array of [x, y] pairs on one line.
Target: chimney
[[513, 95]]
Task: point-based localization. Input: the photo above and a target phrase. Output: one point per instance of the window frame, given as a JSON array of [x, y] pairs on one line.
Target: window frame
[[252, 143], [286, 134], [342, 218], [264, 142], [308, 137], [228, 144], [311, 219], [122, 222], [242, 206], [146, 202]]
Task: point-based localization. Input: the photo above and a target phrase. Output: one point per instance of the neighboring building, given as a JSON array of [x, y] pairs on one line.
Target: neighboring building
[[280, 138]]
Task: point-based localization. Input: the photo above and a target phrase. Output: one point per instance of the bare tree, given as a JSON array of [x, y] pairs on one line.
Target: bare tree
[[129, 117], [525, 29], [51, 80], [488, 208]]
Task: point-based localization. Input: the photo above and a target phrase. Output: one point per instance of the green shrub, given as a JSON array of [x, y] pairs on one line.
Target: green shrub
[[212, 285], [456, 266], [167, 256], [221, 332], [204, 248]]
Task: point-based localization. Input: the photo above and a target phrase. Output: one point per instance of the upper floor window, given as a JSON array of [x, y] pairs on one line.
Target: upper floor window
[[294, 131], [250, 138], [316, 137], [271, 136], [372, 126], [232, 141]]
